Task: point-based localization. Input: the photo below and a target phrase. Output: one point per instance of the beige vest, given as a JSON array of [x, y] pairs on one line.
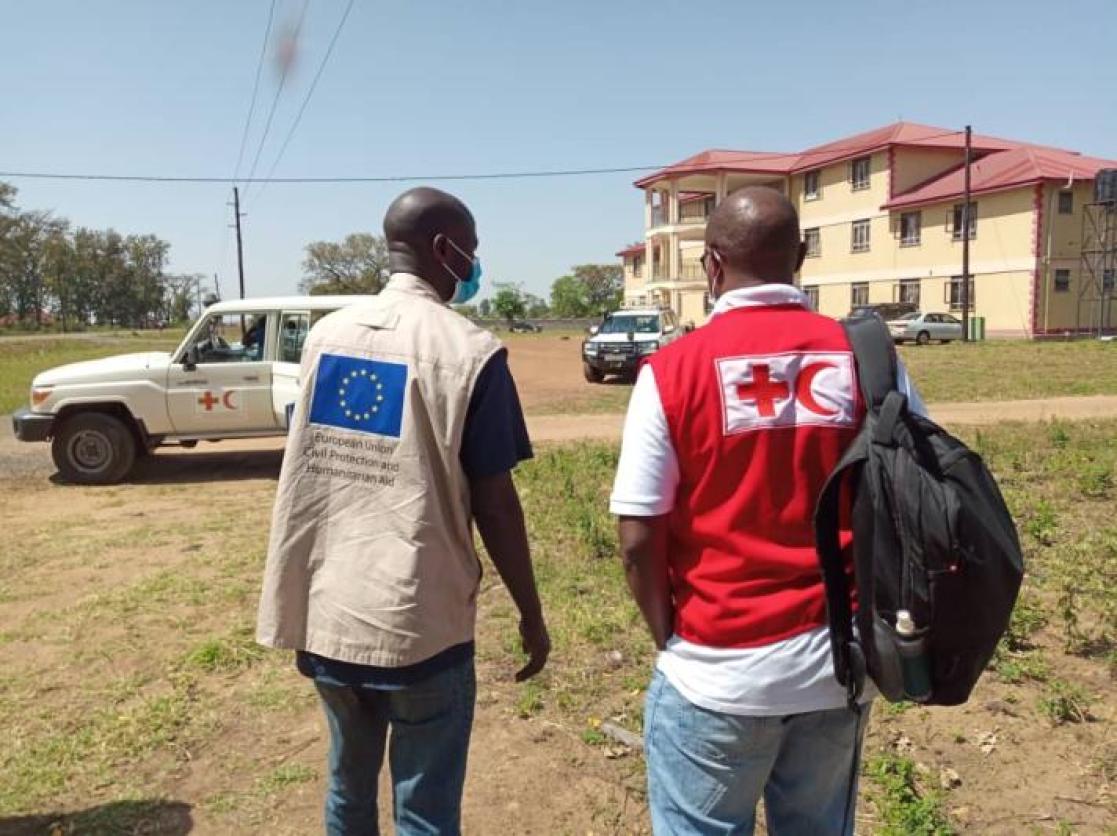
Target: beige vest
[[371, 557]]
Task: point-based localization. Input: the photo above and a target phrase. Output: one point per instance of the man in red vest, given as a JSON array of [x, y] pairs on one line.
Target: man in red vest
[[730, 435]]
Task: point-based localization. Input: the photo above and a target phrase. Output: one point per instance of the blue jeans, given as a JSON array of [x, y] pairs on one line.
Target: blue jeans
[[708, 770], [430, 724]]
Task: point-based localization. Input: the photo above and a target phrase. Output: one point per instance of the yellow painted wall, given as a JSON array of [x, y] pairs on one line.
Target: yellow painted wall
[[691, 309], [836, 195], [913, 166]]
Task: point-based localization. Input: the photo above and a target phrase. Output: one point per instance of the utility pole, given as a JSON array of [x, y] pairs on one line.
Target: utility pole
[[240, 248], [965, 240]]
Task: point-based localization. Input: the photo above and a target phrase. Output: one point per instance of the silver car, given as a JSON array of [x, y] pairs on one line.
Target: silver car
[[923, 327]]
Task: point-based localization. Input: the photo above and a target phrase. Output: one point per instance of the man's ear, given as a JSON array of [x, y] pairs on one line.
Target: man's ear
[[440, 246], [802, 255]]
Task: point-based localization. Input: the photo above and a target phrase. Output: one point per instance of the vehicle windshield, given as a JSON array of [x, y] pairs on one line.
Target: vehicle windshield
[[628, 323]]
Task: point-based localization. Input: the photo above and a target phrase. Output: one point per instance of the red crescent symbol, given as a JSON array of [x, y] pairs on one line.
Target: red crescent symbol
[[803, 388], [225, 400]]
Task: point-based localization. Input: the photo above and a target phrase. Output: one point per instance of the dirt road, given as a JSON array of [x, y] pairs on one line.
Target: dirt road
[[261, 456], [607, 426]]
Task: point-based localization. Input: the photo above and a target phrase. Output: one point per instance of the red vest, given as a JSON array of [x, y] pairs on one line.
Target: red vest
[[761, 403]]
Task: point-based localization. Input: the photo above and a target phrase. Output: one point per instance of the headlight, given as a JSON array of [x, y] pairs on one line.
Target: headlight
[[39, 394], [649, 347], [589, 348]]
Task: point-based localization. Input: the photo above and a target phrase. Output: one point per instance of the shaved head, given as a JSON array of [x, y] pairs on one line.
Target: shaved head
[[755, 235], [428, 231], [416, 216]]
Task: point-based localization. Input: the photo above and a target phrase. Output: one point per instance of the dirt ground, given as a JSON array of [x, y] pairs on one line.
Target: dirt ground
[[528, 775]]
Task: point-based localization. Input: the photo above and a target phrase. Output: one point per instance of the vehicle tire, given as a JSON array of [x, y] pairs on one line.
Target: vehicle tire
[[923, 338], [93, 448], [592, 375]]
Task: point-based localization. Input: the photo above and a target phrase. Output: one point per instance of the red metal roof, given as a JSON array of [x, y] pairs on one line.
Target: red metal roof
[[1003, 170], [898, 133], [632, 249], [770, 162], [714, 160]]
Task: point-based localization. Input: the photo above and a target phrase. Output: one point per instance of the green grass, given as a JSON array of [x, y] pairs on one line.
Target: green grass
[[906, 808], [22, 359], [1000, 370]]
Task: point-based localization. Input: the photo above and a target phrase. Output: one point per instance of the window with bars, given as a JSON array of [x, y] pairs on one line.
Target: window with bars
[[858, 294], [956, 226], [954, 293], [1066, 203], [911, 229], [860, 171], [811, 188], [859, 236], [909, 291], [1062, 280], [811, 292], [813, 239]]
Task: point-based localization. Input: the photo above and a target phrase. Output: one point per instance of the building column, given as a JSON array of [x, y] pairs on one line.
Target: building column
[[673, 202], [673, 256], [722, 187], [648, 208]]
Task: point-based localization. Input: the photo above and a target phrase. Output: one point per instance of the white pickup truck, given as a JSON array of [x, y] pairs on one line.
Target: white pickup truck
[[235, 375]]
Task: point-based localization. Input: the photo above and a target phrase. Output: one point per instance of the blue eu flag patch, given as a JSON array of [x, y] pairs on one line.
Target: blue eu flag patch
[[356, 394]]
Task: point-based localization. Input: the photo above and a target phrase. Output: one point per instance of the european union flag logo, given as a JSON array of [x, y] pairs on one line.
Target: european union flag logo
[[357, 394]]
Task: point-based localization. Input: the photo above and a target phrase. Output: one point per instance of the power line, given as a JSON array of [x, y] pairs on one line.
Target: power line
[[405, 178], [309, 94], [275, 99], [255, 89]]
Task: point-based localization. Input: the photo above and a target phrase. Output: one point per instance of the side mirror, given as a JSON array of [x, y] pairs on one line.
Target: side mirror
[[670, 329], [594, 330], [190, 361]]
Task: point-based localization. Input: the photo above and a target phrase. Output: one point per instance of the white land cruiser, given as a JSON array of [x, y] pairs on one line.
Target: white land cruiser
[[626, 337], [235, 375]]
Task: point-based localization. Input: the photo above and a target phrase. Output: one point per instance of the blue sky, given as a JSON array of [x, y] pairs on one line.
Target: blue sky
[[140, 87]]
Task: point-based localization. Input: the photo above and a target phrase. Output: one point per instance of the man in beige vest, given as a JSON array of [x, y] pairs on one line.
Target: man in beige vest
[[406, 431]]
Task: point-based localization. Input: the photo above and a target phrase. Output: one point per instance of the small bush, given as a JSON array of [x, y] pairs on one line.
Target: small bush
[[1065, 702], [905, 808]]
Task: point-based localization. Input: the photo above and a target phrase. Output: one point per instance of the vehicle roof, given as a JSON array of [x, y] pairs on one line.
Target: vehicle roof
[[277, 303], [638, 311]]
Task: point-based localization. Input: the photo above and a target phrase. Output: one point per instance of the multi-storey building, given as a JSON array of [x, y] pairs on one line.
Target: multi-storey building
[[881, 217]]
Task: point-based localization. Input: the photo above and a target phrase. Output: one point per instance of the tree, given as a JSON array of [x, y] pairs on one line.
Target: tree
[[509, 301], [569, 297], [604, 285], [180, 296], [535, 307], [485, 308], [358, 264]]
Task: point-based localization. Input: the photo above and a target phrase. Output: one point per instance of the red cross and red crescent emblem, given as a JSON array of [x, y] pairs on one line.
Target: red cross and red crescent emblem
[[226, 400], [798, 388]]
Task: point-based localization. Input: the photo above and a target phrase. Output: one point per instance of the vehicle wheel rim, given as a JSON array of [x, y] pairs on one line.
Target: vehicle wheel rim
[[90, 451]]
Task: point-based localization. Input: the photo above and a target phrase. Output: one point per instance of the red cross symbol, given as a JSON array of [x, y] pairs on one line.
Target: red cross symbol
[[208, 401], [764, 391]]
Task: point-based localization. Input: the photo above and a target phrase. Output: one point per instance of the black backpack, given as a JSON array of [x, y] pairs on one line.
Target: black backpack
[[931, 536]]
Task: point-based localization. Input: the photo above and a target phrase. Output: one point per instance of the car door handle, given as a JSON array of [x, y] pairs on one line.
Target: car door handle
[[252, 378]]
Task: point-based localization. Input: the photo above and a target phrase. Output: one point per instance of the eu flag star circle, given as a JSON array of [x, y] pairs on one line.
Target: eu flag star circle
[[360, 395]]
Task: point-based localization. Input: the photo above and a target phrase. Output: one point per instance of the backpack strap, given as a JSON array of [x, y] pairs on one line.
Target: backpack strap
[[875, 354], [849, 659]]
